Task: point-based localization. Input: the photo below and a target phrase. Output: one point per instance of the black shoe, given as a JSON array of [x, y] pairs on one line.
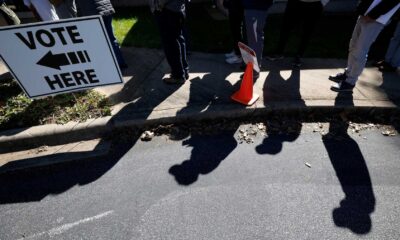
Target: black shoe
[[172, 80], [342, 86], [338, 77], [297, 62]]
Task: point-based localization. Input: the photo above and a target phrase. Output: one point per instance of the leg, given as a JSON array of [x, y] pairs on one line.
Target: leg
[[117, 51], [236, 22], [66, 9], [171, 31], [289, 21], [352, 46], [359, 53], [312, 12], [393, 52], [255, 22]]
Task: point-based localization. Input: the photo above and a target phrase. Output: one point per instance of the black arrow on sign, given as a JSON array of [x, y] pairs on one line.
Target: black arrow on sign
[[63, 59]]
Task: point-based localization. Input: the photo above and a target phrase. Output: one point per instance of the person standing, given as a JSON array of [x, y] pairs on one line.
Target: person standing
[[8, 14], [392, 57], [374, 15], [255, 16], [306, 12], [106, 10], [170, 17]]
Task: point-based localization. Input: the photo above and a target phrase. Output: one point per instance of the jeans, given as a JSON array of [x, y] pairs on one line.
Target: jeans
[[255, 22], [117, 51], [393, 53], [171, 26], [364, 34]]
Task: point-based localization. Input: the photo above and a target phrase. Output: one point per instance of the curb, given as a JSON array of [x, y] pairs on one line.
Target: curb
[[25, 138]]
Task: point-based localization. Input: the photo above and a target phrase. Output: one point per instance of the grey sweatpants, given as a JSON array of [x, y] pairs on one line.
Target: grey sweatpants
[[364, 34]]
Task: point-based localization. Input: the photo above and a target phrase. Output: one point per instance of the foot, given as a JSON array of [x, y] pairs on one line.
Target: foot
[[338, 77], [297, 62], [234, 60], [173, 80], [231, 54], [275, 57], [342, 86]]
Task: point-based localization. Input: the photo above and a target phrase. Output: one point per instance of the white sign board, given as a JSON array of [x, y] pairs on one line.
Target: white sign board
[[49, 58], [248, 55]]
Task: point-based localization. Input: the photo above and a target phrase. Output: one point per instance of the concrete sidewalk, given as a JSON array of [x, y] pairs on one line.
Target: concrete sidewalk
[[144, 99]]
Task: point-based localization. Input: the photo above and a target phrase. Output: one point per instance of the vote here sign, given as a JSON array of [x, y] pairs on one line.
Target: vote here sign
[[49, 58]]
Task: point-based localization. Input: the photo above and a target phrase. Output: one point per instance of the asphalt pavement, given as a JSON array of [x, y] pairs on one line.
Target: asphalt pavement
[[305, 185]]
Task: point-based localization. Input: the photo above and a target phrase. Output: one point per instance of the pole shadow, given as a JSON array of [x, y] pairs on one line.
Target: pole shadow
[[352, 171], [277, 89]]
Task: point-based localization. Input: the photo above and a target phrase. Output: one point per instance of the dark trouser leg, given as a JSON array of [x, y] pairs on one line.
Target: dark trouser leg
[[171, 30], [311, 13], [236, 17], [117, 51], [289, 20]]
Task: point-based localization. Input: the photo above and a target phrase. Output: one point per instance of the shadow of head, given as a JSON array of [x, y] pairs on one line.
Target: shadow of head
[[207, 153]]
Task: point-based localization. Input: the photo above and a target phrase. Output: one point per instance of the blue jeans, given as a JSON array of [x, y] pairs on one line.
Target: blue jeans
[[171, 26], [393, 53], [117, 51]]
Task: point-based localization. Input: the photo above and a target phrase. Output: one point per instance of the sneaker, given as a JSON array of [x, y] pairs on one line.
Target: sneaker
[[338, 77], [342, 86], [297, 62], [234, 60], [172, 80], [231, 54], [275, 57]]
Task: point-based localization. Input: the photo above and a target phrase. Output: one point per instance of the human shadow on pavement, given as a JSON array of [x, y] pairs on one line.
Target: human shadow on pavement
[[281, 91], [36, 184], [208, 149], [351, 169]]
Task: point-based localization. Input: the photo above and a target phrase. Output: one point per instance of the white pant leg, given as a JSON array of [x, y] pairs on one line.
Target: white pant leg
[[369, 31]]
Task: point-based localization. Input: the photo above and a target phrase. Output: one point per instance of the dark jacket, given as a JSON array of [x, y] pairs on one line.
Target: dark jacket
[[257, 4], [381, 9], [175, 5], [94, 7]]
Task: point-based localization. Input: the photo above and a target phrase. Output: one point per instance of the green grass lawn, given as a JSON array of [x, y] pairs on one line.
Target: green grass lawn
[[136, 27]]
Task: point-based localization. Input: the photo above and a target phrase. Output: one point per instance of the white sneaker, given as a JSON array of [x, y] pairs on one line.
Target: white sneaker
[[234, 60], [231, 54]]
